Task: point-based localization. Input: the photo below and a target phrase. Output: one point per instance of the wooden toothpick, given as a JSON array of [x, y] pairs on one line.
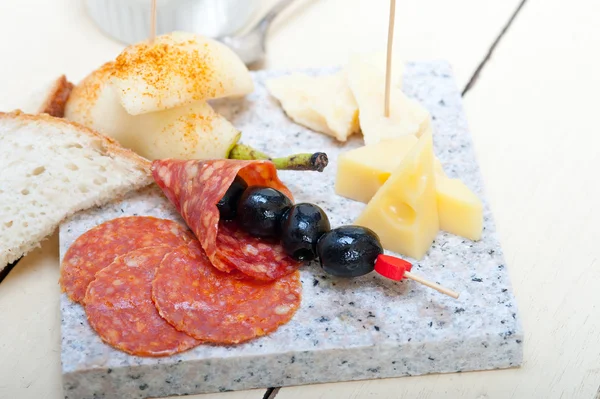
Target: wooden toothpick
[[430, 284], [153, 21], [388, 66]]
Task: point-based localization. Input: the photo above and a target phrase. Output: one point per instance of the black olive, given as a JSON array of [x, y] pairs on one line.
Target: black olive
[[301, 227], [260, 210], [228, 204], [349, 251]]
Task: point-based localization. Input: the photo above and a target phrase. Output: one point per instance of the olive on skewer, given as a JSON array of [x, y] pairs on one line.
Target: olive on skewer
[[228, 204], [260, 210], [304, 231], [301, 228], [349, 251]]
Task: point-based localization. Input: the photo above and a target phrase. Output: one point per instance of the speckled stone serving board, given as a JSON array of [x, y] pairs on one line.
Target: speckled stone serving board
[[361, 328]]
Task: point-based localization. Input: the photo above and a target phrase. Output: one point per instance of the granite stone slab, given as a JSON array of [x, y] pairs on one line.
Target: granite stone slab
[[361, 328]]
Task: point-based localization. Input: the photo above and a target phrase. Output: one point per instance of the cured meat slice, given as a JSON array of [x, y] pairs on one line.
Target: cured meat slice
[[119, 307], [195, 188], [217, 307], [256, 257], [98, 247]]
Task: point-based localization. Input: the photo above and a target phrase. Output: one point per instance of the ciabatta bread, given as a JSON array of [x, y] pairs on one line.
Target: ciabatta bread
[[51, 168], [50, 98], [56, 97]]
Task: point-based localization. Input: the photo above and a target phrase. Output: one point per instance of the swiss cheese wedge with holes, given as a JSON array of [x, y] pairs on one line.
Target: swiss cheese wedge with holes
[[404, 211], [361, 173], [460, 210]]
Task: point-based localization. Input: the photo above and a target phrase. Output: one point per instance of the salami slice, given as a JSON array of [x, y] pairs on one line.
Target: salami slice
[[217, 307], [195, 188], [256, 257], [98, 247], [119, 307]]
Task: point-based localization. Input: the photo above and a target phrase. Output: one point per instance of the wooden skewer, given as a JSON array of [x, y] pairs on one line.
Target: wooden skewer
[[429, 284], [153, 21], [388, 66]]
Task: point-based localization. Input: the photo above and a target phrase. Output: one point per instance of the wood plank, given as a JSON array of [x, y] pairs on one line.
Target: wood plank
[[58, 37], [44, 39], [317, 33], [7, 269], [534, 115], [323, 33], [30, 327]]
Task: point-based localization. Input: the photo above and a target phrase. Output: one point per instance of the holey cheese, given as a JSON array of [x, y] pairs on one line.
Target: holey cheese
[[460, 210], [404, 210], [362, 172]]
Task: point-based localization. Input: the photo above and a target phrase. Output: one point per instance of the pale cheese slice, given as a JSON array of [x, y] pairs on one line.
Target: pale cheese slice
[[374, 66], [367, 82], [322, 103], [404, 211]]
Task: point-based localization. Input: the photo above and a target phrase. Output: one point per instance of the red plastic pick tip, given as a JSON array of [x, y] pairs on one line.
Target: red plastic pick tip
[[391, 267]]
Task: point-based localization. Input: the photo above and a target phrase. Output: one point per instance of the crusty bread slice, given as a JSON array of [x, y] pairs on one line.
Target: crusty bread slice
[[51, 168], [50, 98], [56, 98]]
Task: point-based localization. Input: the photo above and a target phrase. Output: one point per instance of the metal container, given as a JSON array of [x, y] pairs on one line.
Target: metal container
[[129, 20]]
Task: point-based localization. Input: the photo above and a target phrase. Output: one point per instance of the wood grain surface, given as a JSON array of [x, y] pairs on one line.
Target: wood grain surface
[[533, 113]]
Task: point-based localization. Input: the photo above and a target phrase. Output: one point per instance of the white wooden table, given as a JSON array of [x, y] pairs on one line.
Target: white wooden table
[[533, 111]]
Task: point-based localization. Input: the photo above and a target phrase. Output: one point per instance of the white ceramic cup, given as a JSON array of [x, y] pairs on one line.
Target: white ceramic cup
[[129, 20]]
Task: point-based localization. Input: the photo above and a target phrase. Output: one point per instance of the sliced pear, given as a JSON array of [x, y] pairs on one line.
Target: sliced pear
[[366, 78], [192, 131], [95, 105], [177, 69], [323, 103]]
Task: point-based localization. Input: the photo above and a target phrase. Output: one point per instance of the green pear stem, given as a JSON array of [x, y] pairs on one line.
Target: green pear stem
[[315, 162]]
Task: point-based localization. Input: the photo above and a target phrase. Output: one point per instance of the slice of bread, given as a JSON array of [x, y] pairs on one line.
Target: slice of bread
[[51, 98], [56, 97], [51, 168]]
